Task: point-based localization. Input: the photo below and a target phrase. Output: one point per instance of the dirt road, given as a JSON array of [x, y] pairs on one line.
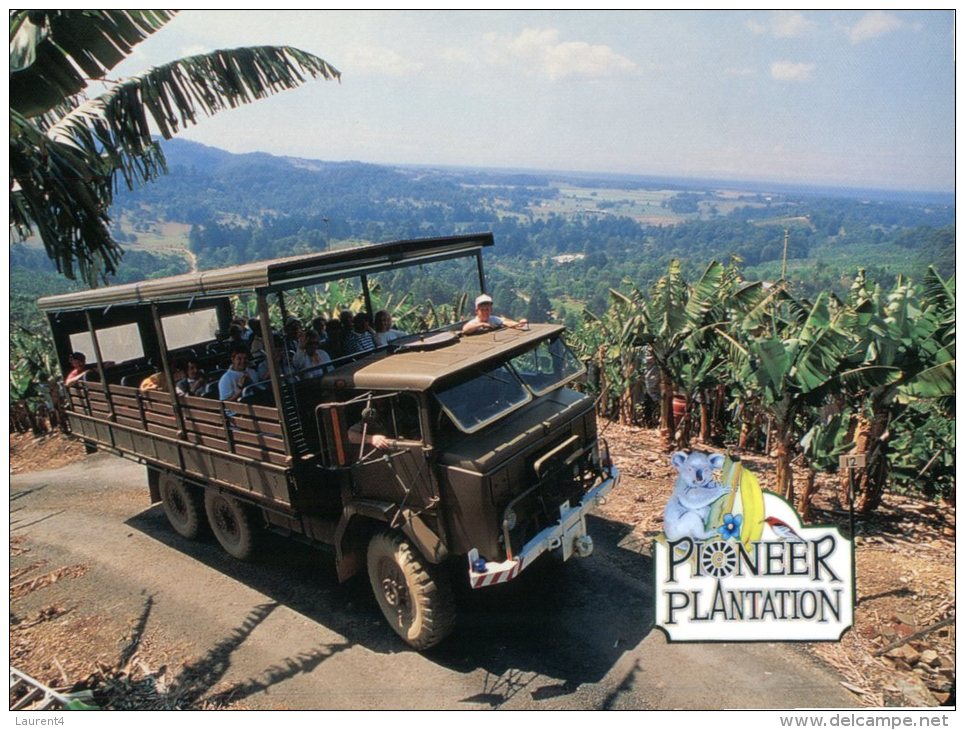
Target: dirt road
[[283, 633]]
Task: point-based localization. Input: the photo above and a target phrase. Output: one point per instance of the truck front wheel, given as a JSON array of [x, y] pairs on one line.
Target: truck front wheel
[[231, 523], [182, 506], [417, 603]]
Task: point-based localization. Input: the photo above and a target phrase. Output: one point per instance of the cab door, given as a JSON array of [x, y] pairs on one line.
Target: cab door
[[399, 472]]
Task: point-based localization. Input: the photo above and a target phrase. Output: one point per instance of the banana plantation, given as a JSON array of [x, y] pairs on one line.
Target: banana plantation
[[747, 364], [736, 363]]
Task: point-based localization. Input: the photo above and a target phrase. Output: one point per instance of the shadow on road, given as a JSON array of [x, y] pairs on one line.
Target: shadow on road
[[191, 687], [14, 496], [16, 525], [571, 621], [568, 621]]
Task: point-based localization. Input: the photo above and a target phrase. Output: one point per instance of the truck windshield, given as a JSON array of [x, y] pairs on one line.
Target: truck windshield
[[547, 366], [488, 396]]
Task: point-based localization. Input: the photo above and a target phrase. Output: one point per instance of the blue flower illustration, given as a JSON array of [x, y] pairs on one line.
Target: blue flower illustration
[[731, 526]]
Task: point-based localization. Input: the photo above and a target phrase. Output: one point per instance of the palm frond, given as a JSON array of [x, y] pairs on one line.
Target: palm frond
[[57, 189], [62, 174], [117, 124], [55, 53]]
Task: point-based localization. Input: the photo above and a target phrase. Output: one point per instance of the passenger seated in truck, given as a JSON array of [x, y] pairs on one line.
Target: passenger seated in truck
[[80, 369], [309, 355], [362, 336], [384, 334], [281, 361], [246, 332], [194, 380], [320, 325], [257, 342], [235, 336], [157, 381], [346, 322], [236, 377], [485, 320], [357, 434], [294, 335], [334, 344]]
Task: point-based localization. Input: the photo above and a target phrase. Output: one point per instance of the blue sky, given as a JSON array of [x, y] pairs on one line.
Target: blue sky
[[839, 98]]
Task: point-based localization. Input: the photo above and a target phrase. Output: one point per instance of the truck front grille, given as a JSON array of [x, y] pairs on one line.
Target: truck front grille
[[565, 479]]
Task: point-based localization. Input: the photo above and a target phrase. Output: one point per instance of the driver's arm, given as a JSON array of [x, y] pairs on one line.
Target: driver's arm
[[377, 440]]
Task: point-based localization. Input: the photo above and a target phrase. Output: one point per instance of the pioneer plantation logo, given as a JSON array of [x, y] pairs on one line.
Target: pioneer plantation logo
[[735, 563]]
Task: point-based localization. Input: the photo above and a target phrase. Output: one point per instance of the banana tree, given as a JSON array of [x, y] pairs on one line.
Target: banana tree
[[821, 445], [613, 360], [911, 333], [32, 362], [677, 321], [790, 369], [68, 152]]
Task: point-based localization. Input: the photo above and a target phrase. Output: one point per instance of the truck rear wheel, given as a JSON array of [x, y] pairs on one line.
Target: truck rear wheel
[[182, 506], [231, 523], [417, 603]]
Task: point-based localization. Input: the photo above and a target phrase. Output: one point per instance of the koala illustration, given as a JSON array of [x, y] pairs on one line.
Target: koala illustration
[[693, 493]]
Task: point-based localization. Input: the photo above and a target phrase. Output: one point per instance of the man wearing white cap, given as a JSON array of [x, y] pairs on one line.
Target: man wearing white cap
[[485, 321]]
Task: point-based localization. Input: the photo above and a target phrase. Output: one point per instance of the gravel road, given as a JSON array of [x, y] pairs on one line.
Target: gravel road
[[283, 633]]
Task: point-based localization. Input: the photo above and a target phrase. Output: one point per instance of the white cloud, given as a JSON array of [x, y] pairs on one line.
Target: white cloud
[[755, 27], [457, 55], [782, 24], [790, 71], [790, 25], [377, 60], [546, 55], [872, 25]]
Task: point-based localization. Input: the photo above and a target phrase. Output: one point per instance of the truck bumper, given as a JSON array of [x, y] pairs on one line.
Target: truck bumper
[[568, 535]]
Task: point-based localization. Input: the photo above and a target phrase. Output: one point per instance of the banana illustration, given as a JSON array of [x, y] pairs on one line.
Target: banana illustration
[[752, 506], [729, 475]]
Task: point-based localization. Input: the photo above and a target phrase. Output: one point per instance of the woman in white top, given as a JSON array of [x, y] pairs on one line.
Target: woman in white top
[[309, 355], [384, 334]]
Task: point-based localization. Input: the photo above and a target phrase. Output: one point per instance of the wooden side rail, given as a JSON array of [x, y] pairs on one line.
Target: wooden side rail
[[251, 431]]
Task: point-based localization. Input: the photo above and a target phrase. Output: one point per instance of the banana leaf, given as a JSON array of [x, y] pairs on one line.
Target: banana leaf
[[935, 382]]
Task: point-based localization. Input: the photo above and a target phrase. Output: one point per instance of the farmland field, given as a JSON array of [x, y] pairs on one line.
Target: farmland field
[[643, 206]]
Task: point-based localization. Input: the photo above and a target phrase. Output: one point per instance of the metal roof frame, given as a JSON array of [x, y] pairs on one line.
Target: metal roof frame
[[276, 274]]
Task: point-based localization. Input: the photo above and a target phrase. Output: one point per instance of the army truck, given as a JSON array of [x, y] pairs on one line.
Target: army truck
[[438, 448]]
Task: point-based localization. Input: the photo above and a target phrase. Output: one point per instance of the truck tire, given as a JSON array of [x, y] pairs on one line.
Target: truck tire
[[417, 603], [182, 506], [232, 524]]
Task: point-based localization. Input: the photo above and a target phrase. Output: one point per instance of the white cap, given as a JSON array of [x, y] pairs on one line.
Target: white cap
[[483, 299]]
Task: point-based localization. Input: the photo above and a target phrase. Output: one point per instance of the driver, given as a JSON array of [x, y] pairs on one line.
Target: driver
[[485, 320], [369, 431]]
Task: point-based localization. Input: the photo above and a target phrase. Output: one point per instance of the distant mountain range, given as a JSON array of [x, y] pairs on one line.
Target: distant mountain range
[[184, 152], [571, 237]]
